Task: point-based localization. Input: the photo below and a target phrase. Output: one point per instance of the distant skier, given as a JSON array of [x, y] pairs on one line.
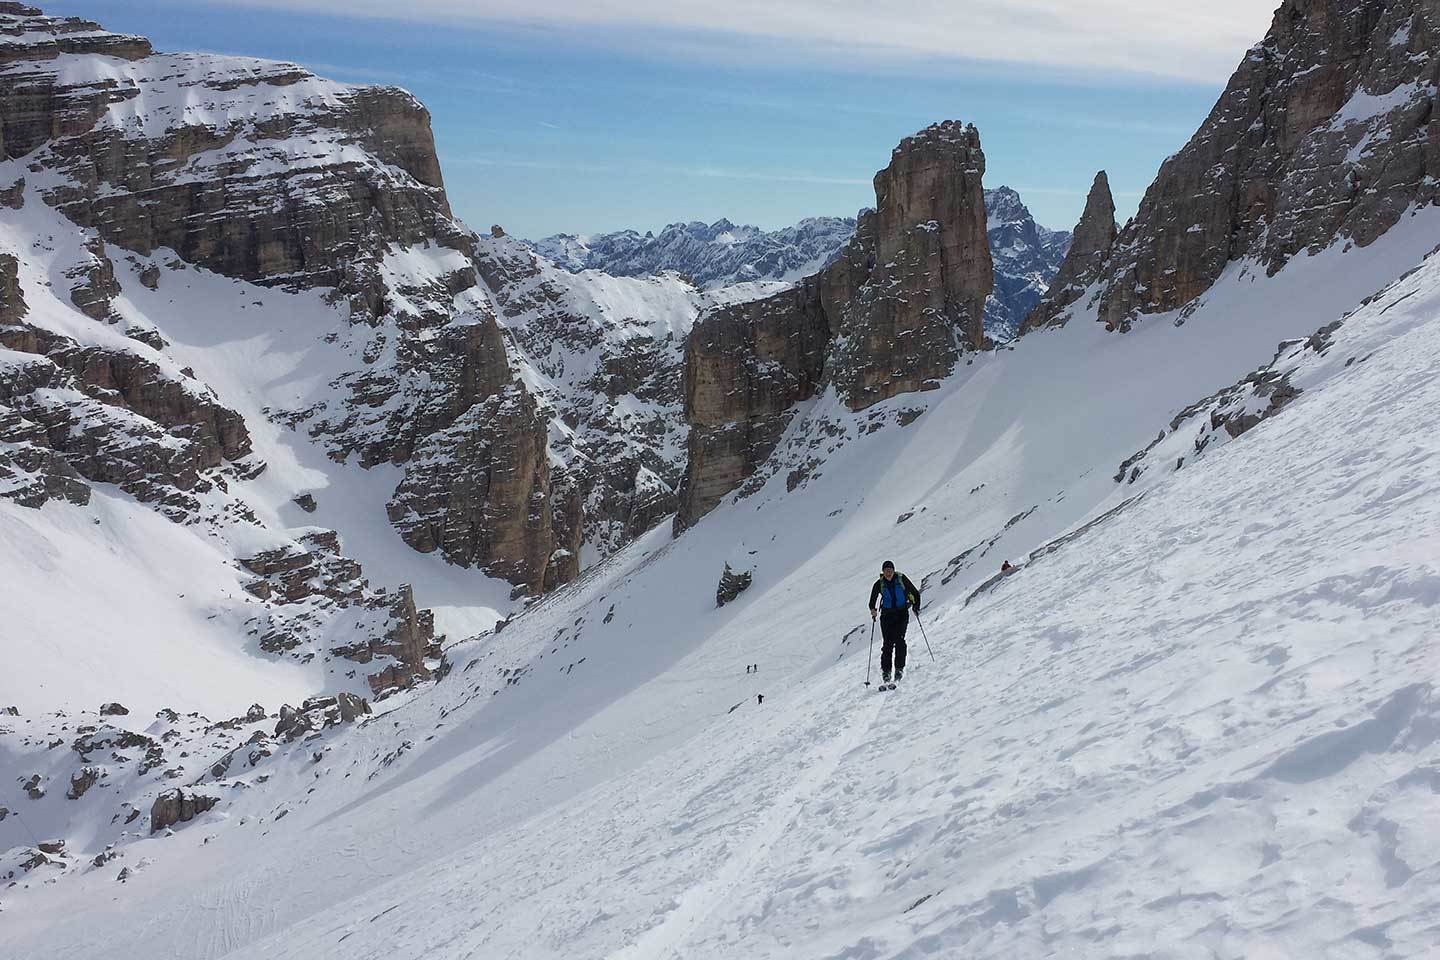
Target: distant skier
[[1005, 567], [896, 595]]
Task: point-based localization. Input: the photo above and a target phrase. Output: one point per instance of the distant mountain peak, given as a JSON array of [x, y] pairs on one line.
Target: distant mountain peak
[[722, 253]]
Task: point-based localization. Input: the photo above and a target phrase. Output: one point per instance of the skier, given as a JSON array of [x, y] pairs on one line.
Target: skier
[[896, 595]]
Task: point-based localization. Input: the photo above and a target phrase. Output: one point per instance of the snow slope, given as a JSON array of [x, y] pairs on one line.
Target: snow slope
[[153, 613], [1203, 726]]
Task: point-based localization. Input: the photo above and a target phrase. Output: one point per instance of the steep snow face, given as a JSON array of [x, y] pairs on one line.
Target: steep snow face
[[711, 255], [163, 612], [1200, 719]]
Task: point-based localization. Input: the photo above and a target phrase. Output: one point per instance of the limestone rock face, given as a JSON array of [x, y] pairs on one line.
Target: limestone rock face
[[308, 583], [96, 286], [113, 417], [177, 806], [194, 152], [310, 566], [63, 35], [12, 297], [320, 712], [924, 299], [1328, 129], [262, 171], [402, 650], [609, 354], [1090, 247], [746, 366], [479, 490], [890, 315]]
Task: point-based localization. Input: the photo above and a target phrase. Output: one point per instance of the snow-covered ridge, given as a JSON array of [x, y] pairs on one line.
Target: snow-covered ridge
[[720, 254], [712, 255], [1026, 257]]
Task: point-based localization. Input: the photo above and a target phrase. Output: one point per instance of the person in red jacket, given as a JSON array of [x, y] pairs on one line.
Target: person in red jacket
[[895, 595]]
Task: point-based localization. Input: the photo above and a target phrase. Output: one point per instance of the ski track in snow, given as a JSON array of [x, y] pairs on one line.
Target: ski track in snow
[[668, 938]]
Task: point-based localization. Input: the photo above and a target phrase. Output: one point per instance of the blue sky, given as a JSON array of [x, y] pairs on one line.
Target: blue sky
[[552, 122]]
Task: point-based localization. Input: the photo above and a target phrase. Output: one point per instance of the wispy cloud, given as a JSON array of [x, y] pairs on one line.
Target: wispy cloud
[[774, 176], [701, 172], [1170, 38]]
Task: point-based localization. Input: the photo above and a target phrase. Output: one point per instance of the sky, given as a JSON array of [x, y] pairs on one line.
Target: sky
[[583, 116]]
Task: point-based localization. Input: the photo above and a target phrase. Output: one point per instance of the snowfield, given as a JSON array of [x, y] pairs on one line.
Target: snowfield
[[1198, 720]]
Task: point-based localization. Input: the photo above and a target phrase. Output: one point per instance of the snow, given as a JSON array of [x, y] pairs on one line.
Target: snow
[[255, 365], [114, 601], [1204, 727], [1199, 718], [1364, 106], [161, 622]]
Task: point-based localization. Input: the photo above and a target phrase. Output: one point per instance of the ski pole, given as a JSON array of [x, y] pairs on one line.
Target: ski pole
[[871, 655], [922, 633]]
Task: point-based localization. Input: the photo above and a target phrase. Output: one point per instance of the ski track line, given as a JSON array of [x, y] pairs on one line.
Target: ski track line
[[664, 940]]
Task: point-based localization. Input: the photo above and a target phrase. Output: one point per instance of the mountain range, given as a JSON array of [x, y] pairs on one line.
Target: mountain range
[[720, 254], [377, 586]]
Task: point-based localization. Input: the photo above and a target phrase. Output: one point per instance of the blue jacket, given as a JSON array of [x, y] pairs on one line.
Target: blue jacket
[[897, 594]]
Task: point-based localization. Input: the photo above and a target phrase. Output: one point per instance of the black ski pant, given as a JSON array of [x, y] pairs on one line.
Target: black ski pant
[[892, 628]]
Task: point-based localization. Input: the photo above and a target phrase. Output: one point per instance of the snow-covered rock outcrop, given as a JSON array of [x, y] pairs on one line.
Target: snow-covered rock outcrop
[[1026, 257], [891, 315], [720, 254], [1328, 128], [711, 255]]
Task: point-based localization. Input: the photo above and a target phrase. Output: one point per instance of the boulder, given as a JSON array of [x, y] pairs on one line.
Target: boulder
[[293, 723], [33, 787], [731, 585], [177, 806], [82, 780]]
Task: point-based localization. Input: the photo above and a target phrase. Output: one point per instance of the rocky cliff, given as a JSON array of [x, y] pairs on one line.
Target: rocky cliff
[[126, 171], [251, 168], [604, 355], [890, 315], [1084, 263], [263, 172], [1327, 130], [721, 254]]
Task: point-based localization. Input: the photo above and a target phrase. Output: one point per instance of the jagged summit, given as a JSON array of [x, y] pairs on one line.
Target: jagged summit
[[891, 315], [1089, 249], [1327, 130], [1026, 255], [713, 255]]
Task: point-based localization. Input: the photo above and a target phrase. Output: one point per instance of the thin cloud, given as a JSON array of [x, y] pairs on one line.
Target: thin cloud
[[698, 172], [769, 175], [1168, 38]]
